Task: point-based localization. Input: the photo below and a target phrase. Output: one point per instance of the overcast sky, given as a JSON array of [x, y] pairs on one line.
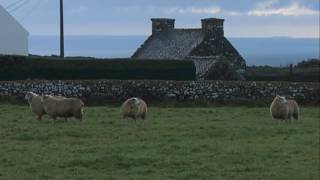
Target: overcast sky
[[244, 18]]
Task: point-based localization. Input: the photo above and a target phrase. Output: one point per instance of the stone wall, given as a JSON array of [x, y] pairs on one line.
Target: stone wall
[[105, 91]]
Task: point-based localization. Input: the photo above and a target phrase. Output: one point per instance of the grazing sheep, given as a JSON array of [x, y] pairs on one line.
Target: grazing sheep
[[281, 108], [36, 105], [294, 110], [134, 108], [63, 107]]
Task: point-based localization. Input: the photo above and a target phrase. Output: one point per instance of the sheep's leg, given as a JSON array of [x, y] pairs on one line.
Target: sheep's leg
[[39, 118], [286, 119], [78, 114], [143, 116], [80, 117]]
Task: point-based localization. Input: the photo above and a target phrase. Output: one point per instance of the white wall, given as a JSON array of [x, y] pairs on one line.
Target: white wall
[[13, 37]]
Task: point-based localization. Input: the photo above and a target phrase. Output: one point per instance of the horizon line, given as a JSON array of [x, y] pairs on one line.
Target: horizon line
[[132, 35]]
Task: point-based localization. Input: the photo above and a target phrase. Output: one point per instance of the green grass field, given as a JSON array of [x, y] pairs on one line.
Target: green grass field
[[173, 143]]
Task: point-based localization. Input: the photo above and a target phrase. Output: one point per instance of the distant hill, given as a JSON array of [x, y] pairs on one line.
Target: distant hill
[[257, 51]]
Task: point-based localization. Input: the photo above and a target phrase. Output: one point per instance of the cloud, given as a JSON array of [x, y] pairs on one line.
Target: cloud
[[233, 13], [265, 8], [175, 10], [211, 10], [193, 10], [295, 9], [266, 4]]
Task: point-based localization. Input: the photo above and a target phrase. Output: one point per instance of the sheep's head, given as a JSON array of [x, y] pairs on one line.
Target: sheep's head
[[133, 102], [281, 99], [29, 96]]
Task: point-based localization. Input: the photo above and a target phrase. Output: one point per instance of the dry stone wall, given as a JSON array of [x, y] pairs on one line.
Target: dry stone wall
[[105, 91]]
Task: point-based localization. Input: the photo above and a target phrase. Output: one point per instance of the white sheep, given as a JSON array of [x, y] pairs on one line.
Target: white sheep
[[36, 105], [134, 108], [281, 108], [63, 107]]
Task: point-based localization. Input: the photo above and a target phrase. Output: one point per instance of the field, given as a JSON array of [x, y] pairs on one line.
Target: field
[[173, 143]]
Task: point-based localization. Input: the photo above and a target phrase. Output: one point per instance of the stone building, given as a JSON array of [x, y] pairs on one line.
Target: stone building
[[205, 45]]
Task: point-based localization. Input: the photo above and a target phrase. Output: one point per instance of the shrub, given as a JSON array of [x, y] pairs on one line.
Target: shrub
[[310, 63], [54, 68], [299, 74]]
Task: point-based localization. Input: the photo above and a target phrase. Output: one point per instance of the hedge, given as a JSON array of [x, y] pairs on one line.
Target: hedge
[[54, 68], [298, 77], [282, 74]]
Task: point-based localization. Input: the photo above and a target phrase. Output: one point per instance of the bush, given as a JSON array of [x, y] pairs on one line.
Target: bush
[[54, 68], [263, 73], [310, 63], [295, 77]]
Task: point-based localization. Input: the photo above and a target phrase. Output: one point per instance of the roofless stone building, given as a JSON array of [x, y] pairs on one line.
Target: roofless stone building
[[205, 45]]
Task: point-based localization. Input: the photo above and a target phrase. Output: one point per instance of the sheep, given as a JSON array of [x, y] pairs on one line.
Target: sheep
[[294, 110], [63, 107], [281, 108], [35, 103], [134, 108]]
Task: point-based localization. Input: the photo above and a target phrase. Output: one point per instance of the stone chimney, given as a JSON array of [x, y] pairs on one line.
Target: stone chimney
[[213, 27], [162, 24]]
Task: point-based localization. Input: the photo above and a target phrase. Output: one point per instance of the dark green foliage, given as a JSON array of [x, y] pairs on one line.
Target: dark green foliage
[[301, 73], [310, 63], [53, 68]]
